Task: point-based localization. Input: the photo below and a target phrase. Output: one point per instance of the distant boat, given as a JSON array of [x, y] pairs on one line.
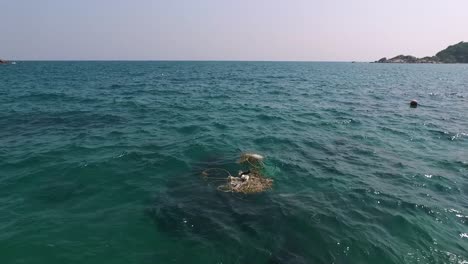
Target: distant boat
[[13, 62]]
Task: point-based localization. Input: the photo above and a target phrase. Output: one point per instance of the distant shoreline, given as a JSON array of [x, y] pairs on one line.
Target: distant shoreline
[[455, 54], [217, 61]]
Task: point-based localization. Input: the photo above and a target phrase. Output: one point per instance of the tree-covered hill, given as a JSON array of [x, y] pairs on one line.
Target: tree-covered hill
[[457, 53]]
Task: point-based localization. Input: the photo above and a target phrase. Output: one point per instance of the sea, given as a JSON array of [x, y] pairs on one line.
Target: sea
[[101, 162]]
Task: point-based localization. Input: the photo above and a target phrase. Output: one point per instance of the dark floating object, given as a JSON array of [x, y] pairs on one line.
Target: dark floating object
[[413, 103]]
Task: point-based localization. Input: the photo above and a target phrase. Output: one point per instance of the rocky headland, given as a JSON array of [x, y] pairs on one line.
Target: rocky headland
[[457, 53]]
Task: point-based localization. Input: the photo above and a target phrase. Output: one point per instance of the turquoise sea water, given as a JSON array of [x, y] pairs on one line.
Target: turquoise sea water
[[100, 162]]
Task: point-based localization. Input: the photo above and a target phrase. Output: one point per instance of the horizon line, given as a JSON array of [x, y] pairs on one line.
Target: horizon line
[[176, 60]]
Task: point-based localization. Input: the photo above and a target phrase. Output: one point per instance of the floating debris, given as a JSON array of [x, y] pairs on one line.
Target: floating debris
[[246, 182], [254, 160]]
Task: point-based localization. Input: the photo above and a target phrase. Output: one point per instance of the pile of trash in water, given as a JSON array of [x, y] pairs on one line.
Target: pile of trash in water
[[246, 182]]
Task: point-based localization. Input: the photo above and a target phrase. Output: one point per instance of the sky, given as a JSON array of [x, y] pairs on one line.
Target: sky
[[271, 30]]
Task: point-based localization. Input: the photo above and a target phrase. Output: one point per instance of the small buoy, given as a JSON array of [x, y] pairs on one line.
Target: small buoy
[[413, 103]]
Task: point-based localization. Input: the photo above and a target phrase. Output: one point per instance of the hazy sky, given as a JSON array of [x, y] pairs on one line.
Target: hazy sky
[[311, 30]]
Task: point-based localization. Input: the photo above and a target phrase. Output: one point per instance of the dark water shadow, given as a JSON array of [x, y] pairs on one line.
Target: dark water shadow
[[253, 227]]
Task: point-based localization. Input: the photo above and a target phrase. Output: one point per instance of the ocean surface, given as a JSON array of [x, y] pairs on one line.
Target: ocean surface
[[100, 162]]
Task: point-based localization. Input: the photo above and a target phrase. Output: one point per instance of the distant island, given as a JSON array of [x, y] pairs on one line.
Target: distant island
[[4, 62], [457, 53]]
